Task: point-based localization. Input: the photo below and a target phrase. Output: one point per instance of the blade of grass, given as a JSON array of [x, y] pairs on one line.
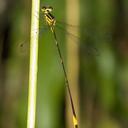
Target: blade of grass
[[33, 69]]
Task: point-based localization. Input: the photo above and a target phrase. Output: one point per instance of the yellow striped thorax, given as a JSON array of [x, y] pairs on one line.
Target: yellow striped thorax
[[49, 18]]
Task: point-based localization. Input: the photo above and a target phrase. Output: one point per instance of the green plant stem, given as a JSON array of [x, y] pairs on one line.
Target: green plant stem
[[33, 69]]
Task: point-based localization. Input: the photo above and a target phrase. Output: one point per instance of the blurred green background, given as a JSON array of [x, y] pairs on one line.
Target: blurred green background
[[102, 58]]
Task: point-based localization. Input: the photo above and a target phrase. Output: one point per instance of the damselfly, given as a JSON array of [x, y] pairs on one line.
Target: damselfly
[[51, 22], [54, 24]]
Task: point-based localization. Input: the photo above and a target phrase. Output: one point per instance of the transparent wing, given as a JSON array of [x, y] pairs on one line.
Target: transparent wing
[[88, 32], [86, 47], [42, 28], [86, 41]]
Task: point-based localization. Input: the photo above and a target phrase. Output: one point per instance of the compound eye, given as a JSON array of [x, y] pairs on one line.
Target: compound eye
[[43, 8]]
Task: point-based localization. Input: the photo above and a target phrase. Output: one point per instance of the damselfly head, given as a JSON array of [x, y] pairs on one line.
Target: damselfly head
[[46, 9]]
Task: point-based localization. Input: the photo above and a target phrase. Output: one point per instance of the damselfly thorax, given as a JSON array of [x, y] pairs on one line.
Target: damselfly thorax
[[49, 18]]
